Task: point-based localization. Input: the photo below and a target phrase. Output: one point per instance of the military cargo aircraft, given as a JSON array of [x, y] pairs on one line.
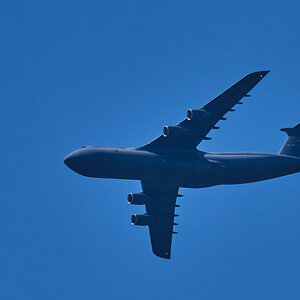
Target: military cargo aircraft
[[172, 161]]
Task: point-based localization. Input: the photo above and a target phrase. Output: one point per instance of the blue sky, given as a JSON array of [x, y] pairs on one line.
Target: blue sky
[[114, 73]]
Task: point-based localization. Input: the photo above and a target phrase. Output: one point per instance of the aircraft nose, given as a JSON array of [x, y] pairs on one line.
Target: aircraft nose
[[83, 161], [68, 160], [77, 160]]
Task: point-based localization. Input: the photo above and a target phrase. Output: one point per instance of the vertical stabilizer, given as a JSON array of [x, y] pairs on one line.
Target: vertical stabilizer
[[291, 146]]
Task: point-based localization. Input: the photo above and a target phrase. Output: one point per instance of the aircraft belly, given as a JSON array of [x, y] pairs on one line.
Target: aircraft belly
[[176, 171], [245, 170]]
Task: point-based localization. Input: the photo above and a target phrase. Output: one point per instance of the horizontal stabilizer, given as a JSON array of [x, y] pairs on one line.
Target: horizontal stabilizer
[[295, 131]]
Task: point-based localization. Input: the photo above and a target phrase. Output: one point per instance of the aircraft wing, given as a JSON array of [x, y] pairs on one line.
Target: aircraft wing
[[191, 131], [161, 208]]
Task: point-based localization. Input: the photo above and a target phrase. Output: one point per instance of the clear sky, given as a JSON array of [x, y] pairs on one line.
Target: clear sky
[[114, 73]]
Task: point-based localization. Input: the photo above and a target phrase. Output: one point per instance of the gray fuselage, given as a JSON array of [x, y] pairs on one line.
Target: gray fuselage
[[184, 168]]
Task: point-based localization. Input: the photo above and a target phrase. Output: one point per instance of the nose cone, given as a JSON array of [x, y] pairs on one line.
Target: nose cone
[[68, 160], [75, 159], [80, 161]]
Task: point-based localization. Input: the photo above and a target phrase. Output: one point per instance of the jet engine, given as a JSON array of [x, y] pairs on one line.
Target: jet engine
[[198, 115], [137, 198], [174, 131], [141, 220]]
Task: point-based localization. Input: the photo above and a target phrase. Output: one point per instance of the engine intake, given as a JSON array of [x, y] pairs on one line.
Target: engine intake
[[141, 220], [137, 198], [198, 115], [174, 131]]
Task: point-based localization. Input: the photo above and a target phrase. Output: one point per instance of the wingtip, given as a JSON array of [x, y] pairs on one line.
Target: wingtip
[[162, 254], [260, 73], [264, 73]]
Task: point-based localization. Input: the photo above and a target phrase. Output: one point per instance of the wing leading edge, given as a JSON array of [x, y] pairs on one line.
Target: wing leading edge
[[190, 132]]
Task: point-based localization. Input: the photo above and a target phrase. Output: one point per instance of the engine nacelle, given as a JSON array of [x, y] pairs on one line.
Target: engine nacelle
[[141, 220], [198, 115], [174, 131], [137, 198]]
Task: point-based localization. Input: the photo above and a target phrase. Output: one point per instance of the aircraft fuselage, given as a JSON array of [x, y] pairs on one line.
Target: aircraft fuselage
[[184, 168], [172, 160]]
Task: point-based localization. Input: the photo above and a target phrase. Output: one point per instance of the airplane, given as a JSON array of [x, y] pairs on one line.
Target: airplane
[[172, 161]]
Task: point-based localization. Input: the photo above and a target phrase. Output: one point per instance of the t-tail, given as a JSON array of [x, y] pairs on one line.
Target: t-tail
[[291, 146]]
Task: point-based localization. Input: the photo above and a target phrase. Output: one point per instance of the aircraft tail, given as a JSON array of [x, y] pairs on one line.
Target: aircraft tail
[[291, 146]]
